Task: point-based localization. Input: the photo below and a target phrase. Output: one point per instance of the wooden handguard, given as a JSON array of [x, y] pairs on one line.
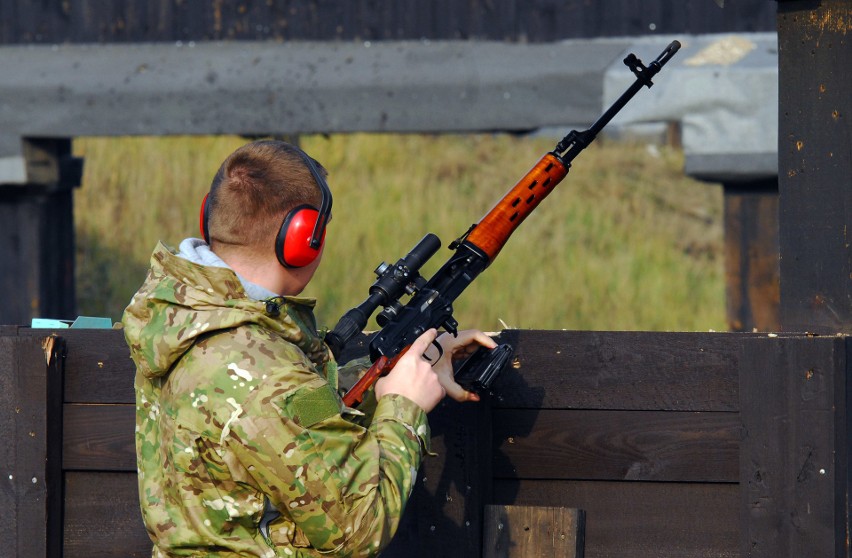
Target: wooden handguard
[[492, 232]]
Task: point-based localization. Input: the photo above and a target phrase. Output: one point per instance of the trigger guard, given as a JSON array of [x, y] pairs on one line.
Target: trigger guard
[[440, 353]]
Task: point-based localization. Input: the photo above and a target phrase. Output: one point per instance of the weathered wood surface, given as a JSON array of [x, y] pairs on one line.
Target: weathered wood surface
[[444, 516], [102, 517], [98, 369], [96, 437], [621, 371], [795, 455], [616, 445], [30, 427], [815, 169], [533, 20], [533, 532], [686, 473]]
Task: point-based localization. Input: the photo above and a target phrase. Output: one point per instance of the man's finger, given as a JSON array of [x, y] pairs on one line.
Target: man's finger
[[458, 393], [422, 343]]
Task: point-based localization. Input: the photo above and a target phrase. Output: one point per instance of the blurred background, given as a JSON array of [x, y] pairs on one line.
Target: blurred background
[[633, 238]]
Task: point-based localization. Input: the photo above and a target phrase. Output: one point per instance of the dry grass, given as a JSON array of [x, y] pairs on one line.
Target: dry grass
[[626, 242]]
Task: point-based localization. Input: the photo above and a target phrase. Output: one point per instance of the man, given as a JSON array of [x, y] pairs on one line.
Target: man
[[243, 443]]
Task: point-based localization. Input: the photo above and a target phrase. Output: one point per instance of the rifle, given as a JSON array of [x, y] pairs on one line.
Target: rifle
[[431, 302]]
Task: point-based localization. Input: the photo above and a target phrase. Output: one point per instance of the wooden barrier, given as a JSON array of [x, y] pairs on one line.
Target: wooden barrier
[[673, 444]]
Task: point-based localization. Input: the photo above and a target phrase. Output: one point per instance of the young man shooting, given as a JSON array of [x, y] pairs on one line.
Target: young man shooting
[[244, 445]]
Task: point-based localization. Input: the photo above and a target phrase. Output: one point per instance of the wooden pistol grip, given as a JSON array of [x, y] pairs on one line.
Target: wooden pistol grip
[[383, 365], [493, 230]]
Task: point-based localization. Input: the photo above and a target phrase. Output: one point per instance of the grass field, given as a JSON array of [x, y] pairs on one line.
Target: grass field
[[625, 242]]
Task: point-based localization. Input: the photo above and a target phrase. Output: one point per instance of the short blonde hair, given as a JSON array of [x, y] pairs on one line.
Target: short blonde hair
[[254, 189]]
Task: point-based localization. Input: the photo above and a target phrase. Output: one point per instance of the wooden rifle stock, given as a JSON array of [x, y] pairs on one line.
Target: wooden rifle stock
[[493, 230]]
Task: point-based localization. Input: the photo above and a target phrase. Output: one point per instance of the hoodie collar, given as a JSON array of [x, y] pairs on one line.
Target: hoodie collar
[[197, 251], [182, 300]]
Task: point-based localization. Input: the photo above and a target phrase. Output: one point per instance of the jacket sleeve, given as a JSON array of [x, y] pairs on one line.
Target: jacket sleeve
[[344, 485]]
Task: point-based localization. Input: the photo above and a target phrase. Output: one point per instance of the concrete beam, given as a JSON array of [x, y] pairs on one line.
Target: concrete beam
[[291, 88], [722, 89]]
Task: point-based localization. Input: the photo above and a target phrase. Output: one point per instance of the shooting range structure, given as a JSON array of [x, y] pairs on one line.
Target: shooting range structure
[[671, 444]]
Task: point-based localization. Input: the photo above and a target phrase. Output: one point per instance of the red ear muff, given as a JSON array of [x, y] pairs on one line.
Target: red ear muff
[[202, 220], [293, 243]]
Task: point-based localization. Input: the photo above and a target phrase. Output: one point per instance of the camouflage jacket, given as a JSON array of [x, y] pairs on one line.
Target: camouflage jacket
[[244, 446]]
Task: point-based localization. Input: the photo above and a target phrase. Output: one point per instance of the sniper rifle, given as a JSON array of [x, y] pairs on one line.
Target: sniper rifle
[[431, 302]]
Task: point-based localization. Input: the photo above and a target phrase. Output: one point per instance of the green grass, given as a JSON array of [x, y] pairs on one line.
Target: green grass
[[625, 242]]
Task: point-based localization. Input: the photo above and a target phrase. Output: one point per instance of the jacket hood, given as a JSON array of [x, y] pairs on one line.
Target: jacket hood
[[181, 301]]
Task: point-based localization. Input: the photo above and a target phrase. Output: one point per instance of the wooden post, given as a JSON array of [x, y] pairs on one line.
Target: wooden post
[[815, 169], [37, 235], [751, 255], [30, 455], [533, 532], [794, 458]]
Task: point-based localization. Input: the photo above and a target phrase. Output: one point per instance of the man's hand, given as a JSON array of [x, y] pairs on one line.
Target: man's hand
[[459, 348], [413, 376]]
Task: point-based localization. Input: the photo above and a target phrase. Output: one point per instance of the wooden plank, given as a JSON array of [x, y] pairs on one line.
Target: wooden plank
[[54, 351], [815, 101], [533, 532], [98, 368], [102, 518], [620, 371], [616, 445], [794, 460], [553, 369], [752, 273], [639, 519], [99, 437], [30, 425], [10, 485]]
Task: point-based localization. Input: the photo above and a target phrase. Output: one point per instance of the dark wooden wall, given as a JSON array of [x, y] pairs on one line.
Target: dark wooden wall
[[674, 444], [531, 20]]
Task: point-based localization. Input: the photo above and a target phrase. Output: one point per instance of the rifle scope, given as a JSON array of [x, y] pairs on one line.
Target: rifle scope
[[392, 281]]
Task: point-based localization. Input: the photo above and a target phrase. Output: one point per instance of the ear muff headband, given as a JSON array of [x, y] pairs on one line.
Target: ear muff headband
[[324, 213], [202, 220], [303, 231]]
